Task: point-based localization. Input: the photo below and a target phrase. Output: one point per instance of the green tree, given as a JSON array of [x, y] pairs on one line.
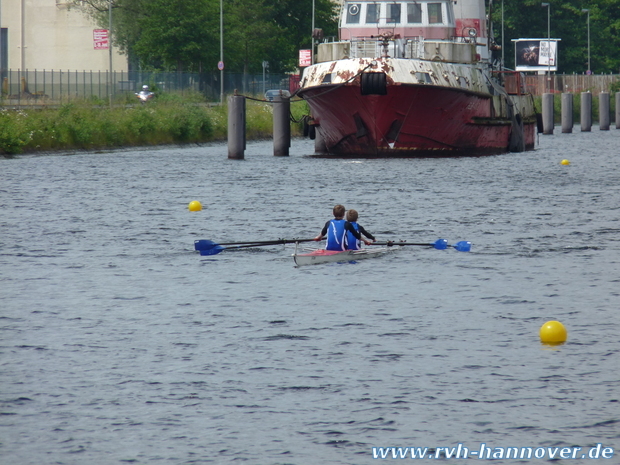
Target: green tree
[[179, 34], [184, 35], [295, 19], [250, 34]]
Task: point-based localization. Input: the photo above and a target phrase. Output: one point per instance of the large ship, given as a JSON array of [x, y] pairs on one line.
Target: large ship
[[415, 78]]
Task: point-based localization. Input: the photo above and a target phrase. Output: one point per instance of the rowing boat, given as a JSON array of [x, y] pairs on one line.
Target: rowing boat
[[334, 256], [313, 257]]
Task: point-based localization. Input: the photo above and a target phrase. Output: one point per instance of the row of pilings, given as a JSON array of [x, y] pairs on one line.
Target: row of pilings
[[586, 112], [237, 123]]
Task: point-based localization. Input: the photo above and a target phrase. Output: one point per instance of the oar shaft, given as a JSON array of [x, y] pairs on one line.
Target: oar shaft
[[256, 244], [217, 248], [391, 243], [439, 244], [206, 247], [275, 241]]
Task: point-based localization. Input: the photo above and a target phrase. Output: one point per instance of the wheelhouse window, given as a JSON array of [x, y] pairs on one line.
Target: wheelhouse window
[[353, 13], [434, 13], [372, 13], [414, 13], [393, 13]]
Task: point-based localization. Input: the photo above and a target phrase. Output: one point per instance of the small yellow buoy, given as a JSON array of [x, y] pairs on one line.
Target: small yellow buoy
[[194, 206], [553, 332], [565, 162]]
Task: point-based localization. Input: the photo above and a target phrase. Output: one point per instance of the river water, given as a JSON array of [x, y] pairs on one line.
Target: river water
[[120, 344]]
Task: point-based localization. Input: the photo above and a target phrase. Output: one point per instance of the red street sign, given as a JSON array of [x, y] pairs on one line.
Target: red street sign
[[220, 65], [100, 39], [305, 58]]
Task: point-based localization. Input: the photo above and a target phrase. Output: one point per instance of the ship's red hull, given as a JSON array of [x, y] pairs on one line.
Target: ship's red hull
[[411, 120]]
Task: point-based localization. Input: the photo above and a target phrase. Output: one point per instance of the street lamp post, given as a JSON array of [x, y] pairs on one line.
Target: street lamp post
[[221, 63], [588, 11], [1, 70], [548, 5], [312, 35], [110, 49], [502, 65]]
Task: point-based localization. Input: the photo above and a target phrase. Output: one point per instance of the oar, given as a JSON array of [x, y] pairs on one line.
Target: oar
[[207, 244], [217, 248], [439, 244], [206, 247], [277, 241]]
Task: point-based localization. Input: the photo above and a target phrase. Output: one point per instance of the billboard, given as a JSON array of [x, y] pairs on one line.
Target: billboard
[[536, 54]]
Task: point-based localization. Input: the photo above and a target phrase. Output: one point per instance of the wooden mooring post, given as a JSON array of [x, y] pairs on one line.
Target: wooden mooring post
[[281, 125], [236, 127], [603, 111], [567, 113], [586, 112], [547, 113], [617, 110]]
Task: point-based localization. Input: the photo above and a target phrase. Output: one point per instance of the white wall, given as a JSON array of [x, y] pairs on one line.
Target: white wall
[[44, 34]]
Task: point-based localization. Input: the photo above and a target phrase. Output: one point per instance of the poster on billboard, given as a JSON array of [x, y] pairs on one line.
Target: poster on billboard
[[536, 54]]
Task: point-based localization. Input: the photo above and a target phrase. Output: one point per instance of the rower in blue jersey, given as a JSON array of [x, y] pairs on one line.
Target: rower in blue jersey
[[336, 231], [353, 241]]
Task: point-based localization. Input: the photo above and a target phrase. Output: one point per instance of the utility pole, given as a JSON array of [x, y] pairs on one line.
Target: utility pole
[[548, 5], [221, 63], [588, 11], [312, 35], [502, 66], [110, 49]]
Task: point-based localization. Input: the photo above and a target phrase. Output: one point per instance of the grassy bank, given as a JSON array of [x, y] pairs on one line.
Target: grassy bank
[[166, 120]]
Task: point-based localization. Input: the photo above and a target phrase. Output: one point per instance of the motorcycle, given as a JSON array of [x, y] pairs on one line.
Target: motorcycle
[[145, 94]]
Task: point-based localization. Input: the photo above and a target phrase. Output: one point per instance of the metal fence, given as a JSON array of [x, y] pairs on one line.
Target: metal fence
[[570, 83], [53, 87]]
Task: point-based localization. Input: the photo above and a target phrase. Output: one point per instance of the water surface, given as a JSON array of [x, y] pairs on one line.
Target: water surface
[[120, 344]]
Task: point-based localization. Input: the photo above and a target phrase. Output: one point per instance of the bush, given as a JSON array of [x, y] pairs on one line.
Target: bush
[[15, 133]]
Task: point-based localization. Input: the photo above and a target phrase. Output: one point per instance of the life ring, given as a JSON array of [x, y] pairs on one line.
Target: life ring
[[354, 9]]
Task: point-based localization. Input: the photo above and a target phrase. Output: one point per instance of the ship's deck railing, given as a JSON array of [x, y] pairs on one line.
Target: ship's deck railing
[[372, 47], [410, 47]]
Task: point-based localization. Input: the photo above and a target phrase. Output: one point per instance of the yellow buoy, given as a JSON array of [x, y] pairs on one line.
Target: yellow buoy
[[553, 332], [194, 206], [565, 162]]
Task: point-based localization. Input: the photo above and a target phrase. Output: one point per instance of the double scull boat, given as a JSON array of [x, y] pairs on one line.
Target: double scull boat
[[320, 256]]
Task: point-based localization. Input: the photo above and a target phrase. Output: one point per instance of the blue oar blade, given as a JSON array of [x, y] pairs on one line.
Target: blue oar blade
[[440, 244], [204, 244], [462, 246], [213, 250]]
